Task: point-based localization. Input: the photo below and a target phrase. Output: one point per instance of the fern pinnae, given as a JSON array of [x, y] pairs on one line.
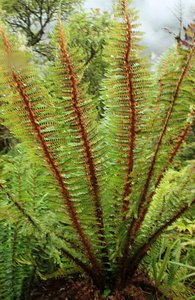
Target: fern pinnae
[[132, 109], [160, 91], [18, 206], [174, 152], [172, 155], [130, 75], [142, 251], [124, 100], [34, 224], [143, 202], [37, 129], [84, 137], [142, 210], [165, 125]]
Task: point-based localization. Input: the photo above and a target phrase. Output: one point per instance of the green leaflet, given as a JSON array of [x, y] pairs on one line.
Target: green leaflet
[[170, 195]]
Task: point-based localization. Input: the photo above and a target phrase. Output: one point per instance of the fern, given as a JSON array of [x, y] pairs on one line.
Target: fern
[[95, 196]]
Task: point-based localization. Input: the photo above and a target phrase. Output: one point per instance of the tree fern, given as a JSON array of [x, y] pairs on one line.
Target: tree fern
[[93, 193]]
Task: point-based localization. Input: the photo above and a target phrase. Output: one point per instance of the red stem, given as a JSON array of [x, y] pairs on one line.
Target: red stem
[[132, 111], [174, 152], [132, 137], [88, 155]]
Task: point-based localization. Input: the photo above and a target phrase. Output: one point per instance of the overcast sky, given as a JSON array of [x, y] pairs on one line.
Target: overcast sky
[[154, 16]]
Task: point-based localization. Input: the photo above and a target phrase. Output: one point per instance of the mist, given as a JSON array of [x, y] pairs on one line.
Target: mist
[[155, 15]]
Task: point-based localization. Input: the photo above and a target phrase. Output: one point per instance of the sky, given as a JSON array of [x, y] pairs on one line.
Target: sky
[[154, 16]]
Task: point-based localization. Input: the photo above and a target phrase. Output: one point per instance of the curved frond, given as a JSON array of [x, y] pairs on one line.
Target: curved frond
[[33, 118]]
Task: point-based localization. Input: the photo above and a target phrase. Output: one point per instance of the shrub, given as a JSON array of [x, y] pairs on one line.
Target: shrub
[[83, 196]]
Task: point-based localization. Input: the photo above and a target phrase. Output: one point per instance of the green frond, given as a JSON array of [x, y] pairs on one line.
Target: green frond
[[165, 141], [43, 221], [77, 121], [175, 99], [35, 118], [166, 269], [172, 195], [127, 88], [12, 276]]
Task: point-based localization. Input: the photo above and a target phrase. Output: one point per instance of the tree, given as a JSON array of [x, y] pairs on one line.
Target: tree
[[34, 18], [89, 31], [92, 194]]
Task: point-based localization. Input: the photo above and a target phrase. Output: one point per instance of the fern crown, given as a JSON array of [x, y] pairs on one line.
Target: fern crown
[[92, 189]]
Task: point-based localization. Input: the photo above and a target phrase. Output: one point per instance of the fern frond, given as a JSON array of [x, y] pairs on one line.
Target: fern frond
[[127, 85], [166, 122], [143, 250], [78, 113], [173, 153], [161, 153], [167, 270], [162, 173], [166, 199], [18, 206], [37, 214], [12, 275], [37, 123]]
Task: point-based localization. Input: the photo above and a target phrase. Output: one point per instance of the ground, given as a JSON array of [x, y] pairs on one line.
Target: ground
[[140, 288]]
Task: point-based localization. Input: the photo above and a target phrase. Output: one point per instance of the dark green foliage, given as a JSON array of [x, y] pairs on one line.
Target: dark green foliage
[[6, 139], [89, 32], [93, 197], [33, 17]]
